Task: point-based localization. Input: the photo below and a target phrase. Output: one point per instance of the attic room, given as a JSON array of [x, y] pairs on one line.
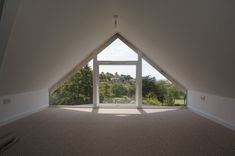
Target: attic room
[[61, 94]]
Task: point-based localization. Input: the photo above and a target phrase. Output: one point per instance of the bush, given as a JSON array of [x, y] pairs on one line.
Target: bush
[[123, 99], [119, 90], [169, 101], [151, 101]]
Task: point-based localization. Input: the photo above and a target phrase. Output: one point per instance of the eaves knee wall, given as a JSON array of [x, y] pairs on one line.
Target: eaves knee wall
[[216, 108], [13, 107]]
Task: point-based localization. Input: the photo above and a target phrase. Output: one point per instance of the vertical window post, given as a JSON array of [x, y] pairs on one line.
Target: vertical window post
[[95, 82], [139, 82]]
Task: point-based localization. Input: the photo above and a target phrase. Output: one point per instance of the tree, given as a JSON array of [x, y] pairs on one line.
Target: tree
[[109, 76], [154, 89], [125, 78], [130, 90], [172, 93], [118, 90], [162, 86], [77, 90], [114, 88], [148, 85], [104, 90], [103, 77]]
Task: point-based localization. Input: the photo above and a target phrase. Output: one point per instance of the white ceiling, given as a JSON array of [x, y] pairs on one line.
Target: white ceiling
[[193, 41]]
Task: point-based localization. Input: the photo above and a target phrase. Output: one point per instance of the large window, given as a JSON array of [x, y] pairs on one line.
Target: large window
[[118, 75]]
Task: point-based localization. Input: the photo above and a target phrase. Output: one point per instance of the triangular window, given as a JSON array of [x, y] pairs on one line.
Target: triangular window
[[157, 90], [118, 73], [76, 90]]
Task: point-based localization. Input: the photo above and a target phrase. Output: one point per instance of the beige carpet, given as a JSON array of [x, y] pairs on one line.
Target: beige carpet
[[118, 132], [6, 141]]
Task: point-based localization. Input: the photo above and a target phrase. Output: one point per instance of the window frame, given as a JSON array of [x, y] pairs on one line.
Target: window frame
[[96, 64]]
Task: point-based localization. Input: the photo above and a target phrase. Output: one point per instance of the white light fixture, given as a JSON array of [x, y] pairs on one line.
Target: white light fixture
[[115, 20]]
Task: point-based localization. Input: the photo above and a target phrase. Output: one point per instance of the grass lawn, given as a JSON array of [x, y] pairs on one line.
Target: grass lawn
[[179, 101]]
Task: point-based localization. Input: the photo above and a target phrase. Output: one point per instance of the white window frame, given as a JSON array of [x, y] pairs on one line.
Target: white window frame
[[137, 64], [96, 64]]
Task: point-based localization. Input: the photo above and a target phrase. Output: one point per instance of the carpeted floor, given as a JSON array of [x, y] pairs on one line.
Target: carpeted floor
[[118, 132]]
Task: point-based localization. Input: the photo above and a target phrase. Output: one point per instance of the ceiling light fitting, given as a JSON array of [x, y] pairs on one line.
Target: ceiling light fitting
[[115, 20]]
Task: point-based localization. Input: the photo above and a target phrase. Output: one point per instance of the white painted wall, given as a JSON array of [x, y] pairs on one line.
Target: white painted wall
[[51, 42], [217, 108], [23, 104]]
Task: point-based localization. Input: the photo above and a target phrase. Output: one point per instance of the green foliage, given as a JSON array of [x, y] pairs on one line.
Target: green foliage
[[155, 89], [105, 90], [115, 88], [148, 85], [151, 101], [118, 90], [172, 94], [162, 86], [156, 92], [123, 99], [77, 90]]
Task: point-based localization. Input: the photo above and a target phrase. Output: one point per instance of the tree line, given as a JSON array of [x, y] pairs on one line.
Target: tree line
[[114, 88]]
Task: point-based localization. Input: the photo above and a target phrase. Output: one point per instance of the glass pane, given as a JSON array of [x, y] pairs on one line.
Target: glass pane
[[117, 84], [157, 90], [117, 51], [77, 90]]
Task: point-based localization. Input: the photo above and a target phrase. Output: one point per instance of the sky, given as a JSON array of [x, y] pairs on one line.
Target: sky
[[119, 51]]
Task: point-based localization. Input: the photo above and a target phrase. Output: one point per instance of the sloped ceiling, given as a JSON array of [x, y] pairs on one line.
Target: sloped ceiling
[[193, 41]]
